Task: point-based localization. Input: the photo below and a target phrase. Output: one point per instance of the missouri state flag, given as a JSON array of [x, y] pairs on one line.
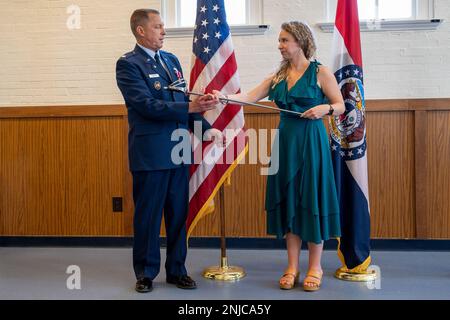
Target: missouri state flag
[[348, 141]]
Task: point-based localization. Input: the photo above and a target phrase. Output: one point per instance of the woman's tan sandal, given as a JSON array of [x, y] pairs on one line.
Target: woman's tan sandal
[[289, 280], [312, 281]]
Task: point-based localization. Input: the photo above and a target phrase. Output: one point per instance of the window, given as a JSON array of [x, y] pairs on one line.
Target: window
[[182, 13], [243, 16], [385, 9], [388, 15], [389, 9]]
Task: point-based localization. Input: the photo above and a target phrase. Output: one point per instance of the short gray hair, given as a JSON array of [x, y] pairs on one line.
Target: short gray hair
[[140, 17]]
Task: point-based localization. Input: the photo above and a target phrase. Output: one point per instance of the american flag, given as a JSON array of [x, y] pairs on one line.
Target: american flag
[[214, 68], [348, 142]]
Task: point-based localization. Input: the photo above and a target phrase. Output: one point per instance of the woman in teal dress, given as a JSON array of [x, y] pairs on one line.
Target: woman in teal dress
[[301, 199]]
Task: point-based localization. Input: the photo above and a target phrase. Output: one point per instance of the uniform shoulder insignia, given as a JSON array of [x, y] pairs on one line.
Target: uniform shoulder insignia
[[165, 53], [171, 57], [127, 55]]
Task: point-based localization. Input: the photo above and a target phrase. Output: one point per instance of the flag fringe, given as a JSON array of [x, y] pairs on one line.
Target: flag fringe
[[361, 268]]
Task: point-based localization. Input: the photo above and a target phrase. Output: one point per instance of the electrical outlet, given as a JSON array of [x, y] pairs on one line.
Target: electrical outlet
[[117, 204]]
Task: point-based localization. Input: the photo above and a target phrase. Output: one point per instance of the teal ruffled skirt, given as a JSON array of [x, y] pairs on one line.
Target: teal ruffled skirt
[[301, 197]]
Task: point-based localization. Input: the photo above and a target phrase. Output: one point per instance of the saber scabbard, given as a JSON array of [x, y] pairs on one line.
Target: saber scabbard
[[226, 101]]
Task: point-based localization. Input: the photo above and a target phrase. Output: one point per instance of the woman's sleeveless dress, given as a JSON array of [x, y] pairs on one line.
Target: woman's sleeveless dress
[[301, 197]]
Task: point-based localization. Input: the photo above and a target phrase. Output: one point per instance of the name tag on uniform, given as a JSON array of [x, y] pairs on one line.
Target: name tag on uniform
[[153, 75]]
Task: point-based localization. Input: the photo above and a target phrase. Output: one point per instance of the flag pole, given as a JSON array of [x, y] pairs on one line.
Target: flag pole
[[223, 272]]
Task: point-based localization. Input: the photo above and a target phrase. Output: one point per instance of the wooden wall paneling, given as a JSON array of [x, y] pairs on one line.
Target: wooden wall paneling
[[390, 151], [421, 173], [128, 203], [17, 178], [63, 111], [31, 193], [60, 166], [437, 193], [245, 198], [93, 171], [58, 176]]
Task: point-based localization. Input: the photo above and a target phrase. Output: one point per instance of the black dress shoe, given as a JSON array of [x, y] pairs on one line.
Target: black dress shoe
[[182, 282], [144, 285]]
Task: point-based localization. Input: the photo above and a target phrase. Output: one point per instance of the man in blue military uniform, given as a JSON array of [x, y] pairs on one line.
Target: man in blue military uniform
[[159, 183]]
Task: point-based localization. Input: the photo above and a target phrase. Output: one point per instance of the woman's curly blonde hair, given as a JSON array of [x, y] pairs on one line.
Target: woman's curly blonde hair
[[303, 35]]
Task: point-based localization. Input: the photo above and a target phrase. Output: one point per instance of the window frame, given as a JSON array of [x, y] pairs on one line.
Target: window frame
[[421, 10], [423, 19], [254, 18]]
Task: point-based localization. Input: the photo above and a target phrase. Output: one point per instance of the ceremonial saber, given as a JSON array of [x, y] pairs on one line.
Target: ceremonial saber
[[226, 100]]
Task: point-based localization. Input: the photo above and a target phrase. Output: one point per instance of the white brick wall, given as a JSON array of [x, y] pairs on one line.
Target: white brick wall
[[45, 63]]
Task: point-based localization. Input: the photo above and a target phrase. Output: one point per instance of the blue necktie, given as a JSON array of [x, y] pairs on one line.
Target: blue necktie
[[158, 61]]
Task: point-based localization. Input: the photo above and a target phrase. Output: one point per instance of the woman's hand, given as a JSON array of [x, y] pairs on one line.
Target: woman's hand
[[316, 112], [219, 95]]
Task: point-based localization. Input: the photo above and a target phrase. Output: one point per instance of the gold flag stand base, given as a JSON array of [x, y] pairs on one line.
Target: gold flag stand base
[[224, 272], [363, 276]]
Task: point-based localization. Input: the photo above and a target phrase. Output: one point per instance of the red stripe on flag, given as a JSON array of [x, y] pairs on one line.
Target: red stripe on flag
[[223, 75], [194, 166], [347, 22], [228, 114], [235, 144], [203, 191], [195, 72]]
